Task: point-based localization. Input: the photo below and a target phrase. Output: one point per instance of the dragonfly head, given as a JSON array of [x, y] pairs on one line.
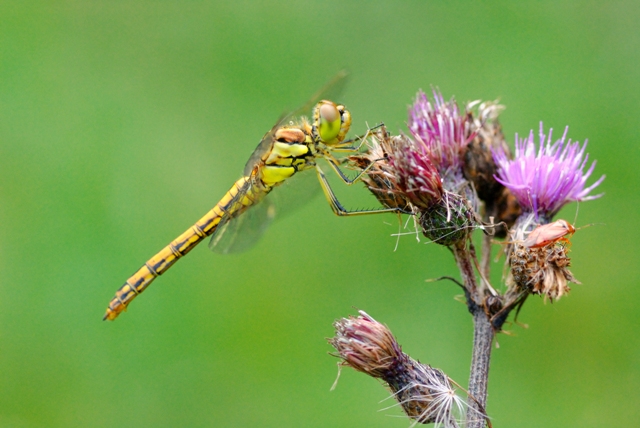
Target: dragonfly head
[[331, 122]]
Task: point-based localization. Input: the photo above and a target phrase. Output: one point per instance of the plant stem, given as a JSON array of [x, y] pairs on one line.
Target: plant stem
[[465, 265], [482, 339], [478, 379]]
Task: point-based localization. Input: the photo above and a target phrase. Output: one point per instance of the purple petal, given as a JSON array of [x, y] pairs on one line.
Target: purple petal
[[545, 179]]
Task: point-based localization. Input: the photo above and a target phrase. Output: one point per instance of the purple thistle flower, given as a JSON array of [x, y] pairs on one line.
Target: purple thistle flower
[[443, 130], [543, 181], [399, 172], [417, 178]]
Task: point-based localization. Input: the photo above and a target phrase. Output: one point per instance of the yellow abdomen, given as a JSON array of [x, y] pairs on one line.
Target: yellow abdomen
[[243, 194]]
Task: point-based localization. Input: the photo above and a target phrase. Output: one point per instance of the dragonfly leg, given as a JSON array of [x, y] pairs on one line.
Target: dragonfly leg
[[335, 164], [338, 208], [348, 147]]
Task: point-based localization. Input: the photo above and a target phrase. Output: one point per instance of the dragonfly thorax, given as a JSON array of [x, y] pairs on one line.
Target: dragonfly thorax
[[293, 150]]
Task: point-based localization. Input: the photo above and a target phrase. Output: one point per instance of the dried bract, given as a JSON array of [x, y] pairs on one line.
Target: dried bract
[[541, 270], [480, 168], [478, 164], [506, 210]]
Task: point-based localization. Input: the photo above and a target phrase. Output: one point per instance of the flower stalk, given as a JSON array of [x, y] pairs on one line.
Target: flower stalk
[[483, 334]]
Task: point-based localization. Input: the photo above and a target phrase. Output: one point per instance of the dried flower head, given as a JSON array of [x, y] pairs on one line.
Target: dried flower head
[[546, 179], [425, 394], [478, 164], [400, 173], [538, 259], [541, 270], [506, 210], [480, 168], [445, 132]]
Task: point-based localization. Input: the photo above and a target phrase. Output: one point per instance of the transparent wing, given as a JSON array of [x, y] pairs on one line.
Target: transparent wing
[[331, 91], [294, 193], [264, 146], [239, 233]]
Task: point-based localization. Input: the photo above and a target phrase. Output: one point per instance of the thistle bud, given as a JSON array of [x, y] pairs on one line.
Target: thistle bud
[[400, 173], [450, 221], [425, 393], [381, 178]]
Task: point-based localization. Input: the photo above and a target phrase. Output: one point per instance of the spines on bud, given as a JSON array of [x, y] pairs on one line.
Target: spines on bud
[[450, 221]]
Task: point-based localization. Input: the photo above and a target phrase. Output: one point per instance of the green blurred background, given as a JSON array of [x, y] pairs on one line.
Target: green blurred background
[[121, 123]]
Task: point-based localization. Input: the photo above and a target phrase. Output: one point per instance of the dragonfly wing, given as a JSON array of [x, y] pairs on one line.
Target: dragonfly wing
[[264, 146], [330, 91], [239, 233], [295, 193]]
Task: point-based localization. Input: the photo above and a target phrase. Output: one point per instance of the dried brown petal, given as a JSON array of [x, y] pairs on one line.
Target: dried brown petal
[[542, 271]]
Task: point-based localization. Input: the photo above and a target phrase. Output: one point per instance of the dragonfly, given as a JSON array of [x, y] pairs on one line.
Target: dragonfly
[[293, 145]]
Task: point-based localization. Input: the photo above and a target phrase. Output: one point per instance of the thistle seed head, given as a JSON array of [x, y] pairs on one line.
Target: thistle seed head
[[541, 270]]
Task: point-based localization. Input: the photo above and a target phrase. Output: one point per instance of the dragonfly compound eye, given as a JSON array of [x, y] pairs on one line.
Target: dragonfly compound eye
[[329, 121]]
